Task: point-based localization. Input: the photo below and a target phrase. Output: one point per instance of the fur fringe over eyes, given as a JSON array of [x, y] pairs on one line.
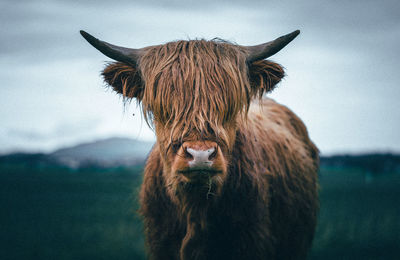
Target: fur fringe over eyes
[[263, 76]]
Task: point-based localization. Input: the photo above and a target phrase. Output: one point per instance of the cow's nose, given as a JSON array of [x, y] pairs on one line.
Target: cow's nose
[[201, 158], [200, 155]]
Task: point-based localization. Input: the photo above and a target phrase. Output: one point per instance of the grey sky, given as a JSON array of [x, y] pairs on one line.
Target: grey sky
[[342, 71]]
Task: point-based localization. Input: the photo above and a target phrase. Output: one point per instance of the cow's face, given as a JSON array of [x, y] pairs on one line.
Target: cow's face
[[194, 93]]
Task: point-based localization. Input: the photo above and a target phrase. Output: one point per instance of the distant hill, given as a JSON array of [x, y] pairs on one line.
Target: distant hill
[[107, 152], [112, 152]]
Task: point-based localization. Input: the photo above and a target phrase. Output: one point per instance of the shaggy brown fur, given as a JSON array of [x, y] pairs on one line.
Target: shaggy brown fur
[[263, 204]]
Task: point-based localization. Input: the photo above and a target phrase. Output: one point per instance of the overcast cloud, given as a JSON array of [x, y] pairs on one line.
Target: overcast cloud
[[342, 71]]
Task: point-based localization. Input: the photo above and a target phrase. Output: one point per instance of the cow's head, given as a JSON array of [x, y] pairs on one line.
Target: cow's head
[[194, 93]]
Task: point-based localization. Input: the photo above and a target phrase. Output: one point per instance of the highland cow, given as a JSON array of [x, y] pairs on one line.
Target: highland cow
[[233, 175]]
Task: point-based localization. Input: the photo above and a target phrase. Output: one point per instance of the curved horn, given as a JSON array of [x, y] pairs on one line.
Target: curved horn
[[114, 52], [265, 50]]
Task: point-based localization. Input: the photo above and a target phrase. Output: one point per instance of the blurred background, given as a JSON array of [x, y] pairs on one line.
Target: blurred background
[[71, 155]]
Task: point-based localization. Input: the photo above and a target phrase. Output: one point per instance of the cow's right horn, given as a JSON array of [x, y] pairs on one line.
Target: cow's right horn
[[265, 50], [126, 55]]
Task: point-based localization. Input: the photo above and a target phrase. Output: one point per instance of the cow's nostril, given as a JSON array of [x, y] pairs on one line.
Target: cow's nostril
[[213, 154], [188, 155]]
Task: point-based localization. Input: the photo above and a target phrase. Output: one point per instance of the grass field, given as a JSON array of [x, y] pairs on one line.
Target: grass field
[[359, 217], [53, 213]]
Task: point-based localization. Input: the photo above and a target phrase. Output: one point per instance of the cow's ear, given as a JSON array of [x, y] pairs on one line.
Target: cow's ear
[[124, 79], [264, 75]]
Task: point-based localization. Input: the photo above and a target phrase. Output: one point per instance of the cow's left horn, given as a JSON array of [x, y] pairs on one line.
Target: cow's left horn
[[265, 50], [114, 52]]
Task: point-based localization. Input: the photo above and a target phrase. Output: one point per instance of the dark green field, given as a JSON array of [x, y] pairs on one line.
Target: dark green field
[[55, 213]]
